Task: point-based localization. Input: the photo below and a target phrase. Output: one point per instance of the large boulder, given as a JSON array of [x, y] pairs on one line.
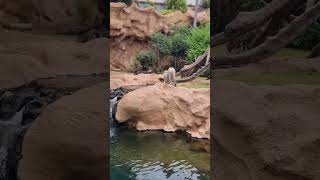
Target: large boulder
[[69, 139], [266, 132], [168, 108]]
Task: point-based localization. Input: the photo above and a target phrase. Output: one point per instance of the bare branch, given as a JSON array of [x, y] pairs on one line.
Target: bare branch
[[194, 75]]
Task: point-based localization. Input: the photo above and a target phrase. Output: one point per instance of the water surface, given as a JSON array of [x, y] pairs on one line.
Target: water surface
[[153, 155]]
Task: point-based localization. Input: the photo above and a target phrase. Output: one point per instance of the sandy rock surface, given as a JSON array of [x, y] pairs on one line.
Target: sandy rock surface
[[168, 108], [120, 79], [266, 132], [132, 21], [42, 57], [68, 140]]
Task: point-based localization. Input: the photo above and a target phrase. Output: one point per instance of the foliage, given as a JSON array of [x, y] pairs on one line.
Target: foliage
[[180, 5], [198, 42], [183, 30], [146, 59], [310, 38], [183, 44], [166, 11], [179, 46], [162, 43]]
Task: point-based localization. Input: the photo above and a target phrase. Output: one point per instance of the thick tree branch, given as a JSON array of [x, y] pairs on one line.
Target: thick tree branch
[[194, 75], [273, 44], [248, 21]]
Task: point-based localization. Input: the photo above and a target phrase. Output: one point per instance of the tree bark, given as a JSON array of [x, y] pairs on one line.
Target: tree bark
[[195, 18], [194, 75]]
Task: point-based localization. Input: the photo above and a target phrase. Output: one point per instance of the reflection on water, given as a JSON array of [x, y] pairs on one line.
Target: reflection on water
[[155, 156]]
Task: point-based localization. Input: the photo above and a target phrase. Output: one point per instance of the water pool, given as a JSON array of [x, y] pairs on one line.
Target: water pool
[[153, 155]]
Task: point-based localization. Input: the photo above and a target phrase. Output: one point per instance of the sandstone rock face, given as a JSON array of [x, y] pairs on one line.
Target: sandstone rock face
[[168, 108], [25, 57], [142, 23], [123, 54], [132, 27], [120, 79], [69, 139], [266, 132]]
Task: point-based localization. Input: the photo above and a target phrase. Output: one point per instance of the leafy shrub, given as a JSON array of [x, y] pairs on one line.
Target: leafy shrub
[[198, 42], [179, 46], [183, 30], [146, 59], [166, 11], [180, 5], [162, 43]]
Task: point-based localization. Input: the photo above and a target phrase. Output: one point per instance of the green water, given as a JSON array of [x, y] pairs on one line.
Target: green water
[[155, 156]]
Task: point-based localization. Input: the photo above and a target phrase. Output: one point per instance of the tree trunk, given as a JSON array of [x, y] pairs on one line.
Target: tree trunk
[[195, 14]]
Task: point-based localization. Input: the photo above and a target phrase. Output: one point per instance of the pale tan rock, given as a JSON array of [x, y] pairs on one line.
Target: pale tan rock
[[169, 108], [132, 21], [69, 139], [120, 79], [123, 54]]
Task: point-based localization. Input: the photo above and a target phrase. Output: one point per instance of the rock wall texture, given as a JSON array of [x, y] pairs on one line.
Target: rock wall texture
[[271, 132], [123, 53], [55, 16], [168, 108], [26, 57], [69, 139], [132, 21], [131, 27], [120, 79]]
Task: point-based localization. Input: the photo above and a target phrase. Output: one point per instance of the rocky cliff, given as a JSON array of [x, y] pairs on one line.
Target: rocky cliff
[[131, 27]]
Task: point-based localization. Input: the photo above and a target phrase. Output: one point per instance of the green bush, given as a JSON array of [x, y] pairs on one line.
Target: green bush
[[180, 5], [179, 46], [183, 30], [166, 11], [162, 43], [146, 59], [198, 42]]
